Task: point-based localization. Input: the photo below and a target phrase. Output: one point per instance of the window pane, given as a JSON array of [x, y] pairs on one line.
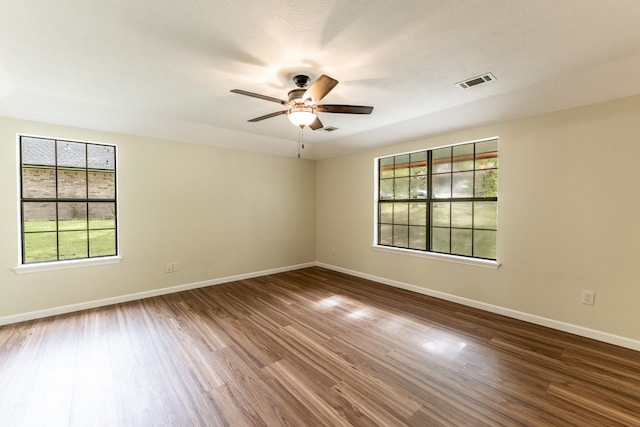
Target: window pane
[[487, 161], [386, 189], [39, 216], [102, 242], [73, 244], [385, 210], [418, 214], [101, 157], [441, 214], [38, 182], [463, 157], [386, 168], [72, 184], [418, 238], [440, 239], [40, 247], [485, 215], [418, 187], [401, 236], [461, 242], [72, 216], [462, 184], [102, 215], [73, 154], [441, 159], [442, 186], [489, 146], [385, 235], [419, 163], [38, 151], [102, 185], [401, 213], [484, 244], [486, 183], [487, 154], [462, 214], [401, 188], [402, 165]]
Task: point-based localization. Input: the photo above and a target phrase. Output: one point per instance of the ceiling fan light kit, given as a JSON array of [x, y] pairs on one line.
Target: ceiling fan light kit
[[302, 105], [302, 116]]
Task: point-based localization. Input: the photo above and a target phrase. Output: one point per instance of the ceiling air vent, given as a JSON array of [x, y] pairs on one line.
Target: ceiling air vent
[[329, 129], [474, 81]]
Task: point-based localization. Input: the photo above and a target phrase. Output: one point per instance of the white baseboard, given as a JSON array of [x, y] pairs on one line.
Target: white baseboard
[[141, 295], [531, 318]]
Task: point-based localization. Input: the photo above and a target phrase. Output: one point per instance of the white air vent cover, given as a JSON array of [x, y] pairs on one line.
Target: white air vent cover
[[474, 81]]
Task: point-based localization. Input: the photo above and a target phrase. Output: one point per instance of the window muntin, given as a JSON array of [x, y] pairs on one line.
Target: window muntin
[[442, 200], [68, 200]]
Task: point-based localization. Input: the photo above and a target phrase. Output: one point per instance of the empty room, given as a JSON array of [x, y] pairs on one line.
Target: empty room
[[329, 213]]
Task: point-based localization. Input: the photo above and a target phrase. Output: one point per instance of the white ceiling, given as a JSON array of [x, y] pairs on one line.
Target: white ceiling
[[164, 68]]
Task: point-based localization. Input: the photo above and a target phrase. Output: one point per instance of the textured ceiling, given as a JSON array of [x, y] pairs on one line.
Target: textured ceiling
[[164, 68]]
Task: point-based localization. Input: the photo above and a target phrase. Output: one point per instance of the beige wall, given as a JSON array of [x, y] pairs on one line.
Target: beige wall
[[216, 212], [569, 219]]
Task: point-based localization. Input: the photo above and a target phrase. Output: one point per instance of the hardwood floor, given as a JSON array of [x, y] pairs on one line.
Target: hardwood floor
[[310, 347]]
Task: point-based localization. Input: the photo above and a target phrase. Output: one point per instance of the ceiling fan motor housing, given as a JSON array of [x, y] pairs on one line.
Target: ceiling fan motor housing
[[295, 95]]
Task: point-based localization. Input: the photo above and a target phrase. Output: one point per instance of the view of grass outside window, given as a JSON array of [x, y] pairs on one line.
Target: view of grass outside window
[[68, 200], [443, 200]]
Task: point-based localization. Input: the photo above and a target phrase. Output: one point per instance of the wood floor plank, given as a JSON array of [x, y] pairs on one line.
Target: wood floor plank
[[93, 399], [307, 393], [310, 347], [621, 410]]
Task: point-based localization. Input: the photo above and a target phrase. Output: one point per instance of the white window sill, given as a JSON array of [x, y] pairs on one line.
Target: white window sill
[[440, 257], [62, 265]]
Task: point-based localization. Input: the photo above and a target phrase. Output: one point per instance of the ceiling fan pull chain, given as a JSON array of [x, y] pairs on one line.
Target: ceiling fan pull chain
[[300, 140]]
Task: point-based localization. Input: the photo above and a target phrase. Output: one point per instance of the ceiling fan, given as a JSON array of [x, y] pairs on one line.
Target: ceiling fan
[[302, 106]]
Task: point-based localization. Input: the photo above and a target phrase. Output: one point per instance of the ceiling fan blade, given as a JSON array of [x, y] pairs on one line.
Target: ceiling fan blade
[[317, 124], [345, 109], [268, 116], [319, 89], [257, 95]]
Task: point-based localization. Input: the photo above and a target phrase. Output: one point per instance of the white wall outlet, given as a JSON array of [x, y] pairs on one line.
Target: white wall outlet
[[168, 267], [588, 297], [175, 266]]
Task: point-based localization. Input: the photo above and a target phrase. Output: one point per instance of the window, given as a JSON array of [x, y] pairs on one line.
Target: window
[[442, 200], [68, 200]]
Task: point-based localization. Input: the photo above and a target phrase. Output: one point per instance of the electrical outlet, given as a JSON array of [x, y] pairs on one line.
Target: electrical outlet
[[168, 268], [588, 297], [175, 266]]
